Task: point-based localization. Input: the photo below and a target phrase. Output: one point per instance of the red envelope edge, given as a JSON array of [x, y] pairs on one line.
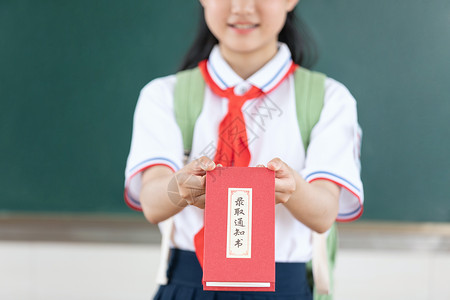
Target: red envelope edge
[[260, 267]]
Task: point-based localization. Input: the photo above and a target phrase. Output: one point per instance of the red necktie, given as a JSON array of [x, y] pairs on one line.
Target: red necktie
[[232, 145]]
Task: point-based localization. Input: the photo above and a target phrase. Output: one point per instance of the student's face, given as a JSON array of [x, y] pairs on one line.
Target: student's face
[[247, 26]]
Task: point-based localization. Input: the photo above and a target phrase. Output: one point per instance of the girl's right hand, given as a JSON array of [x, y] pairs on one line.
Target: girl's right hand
[[187, 186]]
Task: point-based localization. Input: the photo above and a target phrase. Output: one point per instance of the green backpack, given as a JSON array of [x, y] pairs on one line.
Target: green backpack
[[309, 96]]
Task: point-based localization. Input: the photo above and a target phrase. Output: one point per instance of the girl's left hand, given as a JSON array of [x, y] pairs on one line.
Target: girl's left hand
[[285, 184]]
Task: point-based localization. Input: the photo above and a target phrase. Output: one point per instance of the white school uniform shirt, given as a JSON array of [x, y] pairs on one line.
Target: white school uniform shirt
[[272, 131]]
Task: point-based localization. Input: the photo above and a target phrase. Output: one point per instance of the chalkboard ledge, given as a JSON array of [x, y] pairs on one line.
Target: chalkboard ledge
[[388, 235], [101, 228], [84, 228]]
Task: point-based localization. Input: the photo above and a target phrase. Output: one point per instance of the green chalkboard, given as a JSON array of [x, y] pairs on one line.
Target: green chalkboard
[[395, 58], [71, 71]]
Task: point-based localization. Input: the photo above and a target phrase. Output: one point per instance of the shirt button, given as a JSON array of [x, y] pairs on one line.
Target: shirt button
[[241, 88]]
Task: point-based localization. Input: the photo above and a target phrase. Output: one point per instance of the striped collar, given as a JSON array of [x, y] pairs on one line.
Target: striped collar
[[266, 78]]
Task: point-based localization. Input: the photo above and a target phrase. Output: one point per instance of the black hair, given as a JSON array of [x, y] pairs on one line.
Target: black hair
[[294, 34]]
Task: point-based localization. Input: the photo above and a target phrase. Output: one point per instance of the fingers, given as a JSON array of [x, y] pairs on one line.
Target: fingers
[[275, 164], [184, 187], [198, 201], [281, 169], [190, 185], [286, 186], [200, 165], [187, 189], [281, 197], [192, 191]]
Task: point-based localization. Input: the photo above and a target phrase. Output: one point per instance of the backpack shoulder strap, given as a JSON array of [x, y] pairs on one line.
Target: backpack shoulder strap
[[188, 102], [309, 95]]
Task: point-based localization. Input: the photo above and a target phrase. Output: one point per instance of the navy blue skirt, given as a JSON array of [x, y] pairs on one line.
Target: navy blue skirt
[[185, 282]]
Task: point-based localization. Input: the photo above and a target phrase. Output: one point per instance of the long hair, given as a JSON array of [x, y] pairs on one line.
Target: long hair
[[294, 34]]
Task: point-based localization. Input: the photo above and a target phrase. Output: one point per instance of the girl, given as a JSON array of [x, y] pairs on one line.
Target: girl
[[247, 51]]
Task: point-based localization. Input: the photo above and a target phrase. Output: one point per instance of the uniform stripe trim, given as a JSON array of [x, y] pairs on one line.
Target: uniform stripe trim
[[129, 200], [163, 160], [342, 217], [356, 217], [284, 67], [217, 75], [334, 175], [289, 60]]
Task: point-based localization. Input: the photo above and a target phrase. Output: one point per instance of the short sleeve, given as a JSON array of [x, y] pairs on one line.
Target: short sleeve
[[334, 150], [156, 137]]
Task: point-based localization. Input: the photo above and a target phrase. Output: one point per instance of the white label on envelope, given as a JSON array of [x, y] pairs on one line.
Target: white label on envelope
[[239, 223]]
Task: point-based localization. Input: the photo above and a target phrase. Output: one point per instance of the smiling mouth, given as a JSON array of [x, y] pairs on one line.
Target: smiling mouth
[[243, 26]]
